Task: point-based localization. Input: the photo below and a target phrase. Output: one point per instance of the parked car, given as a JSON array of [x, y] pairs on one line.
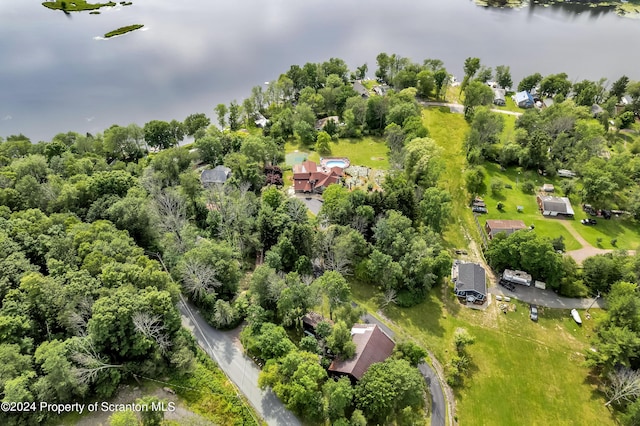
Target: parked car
[[589, 221], [478, 209], [533, 312]]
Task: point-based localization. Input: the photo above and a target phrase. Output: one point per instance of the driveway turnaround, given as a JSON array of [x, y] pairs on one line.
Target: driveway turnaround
[[547, 298], [227, 353]]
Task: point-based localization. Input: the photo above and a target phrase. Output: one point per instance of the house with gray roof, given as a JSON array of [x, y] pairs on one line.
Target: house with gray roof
[[499, 97], [215, 176], [554, 206], [470, 281], [360, 89]]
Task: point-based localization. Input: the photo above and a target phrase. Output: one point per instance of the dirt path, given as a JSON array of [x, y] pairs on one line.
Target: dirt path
[[587, 249]]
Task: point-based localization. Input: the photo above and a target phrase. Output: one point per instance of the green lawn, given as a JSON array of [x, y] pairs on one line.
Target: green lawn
[[511, 198], [510, 106], [448, 130], [626, 231], [368, 151], [522, 372]]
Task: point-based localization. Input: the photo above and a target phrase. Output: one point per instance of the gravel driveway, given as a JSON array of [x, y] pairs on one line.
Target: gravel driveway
[[546, 298]]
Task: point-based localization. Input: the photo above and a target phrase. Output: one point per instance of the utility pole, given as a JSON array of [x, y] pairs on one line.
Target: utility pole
[[594, 301]]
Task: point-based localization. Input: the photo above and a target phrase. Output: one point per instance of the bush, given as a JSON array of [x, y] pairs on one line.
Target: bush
[[496, 186], [573, 288], [528, 187], [558, 244]]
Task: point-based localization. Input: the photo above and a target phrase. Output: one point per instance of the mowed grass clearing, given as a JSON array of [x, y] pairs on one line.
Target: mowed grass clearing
[[522, 372], [368, 151], [449, 130]]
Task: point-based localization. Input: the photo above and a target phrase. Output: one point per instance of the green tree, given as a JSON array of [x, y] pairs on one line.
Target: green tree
[[340, 341], [221, 112], [441, 80], [123, 418], [322, 144], [435, 208], [619, 87], [475, 95], [426, 83], [529, 82], [159, 134], [336, 288], [555, 84], [234, 115], [503, 77], [423, 163], [151, 417], [387, 388], [471, 67], [410, 352], [196, 124], [339, 396]]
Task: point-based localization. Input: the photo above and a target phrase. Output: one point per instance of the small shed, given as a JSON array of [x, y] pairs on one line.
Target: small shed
[[499, 97], [547, 187]]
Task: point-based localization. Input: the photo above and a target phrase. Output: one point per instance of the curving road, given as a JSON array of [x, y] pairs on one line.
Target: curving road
[[223, 348], [438, 407]]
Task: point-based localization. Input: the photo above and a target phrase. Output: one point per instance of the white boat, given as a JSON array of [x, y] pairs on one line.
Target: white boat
[[576, 316]]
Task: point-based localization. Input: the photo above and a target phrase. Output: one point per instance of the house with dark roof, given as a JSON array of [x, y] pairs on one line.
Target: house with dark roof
[[308, 178], [372, 346], [508, 227], [360, 89], [216, 176], [470, 282], [554, 206], [311, 320], [524, 99], [323, 121]]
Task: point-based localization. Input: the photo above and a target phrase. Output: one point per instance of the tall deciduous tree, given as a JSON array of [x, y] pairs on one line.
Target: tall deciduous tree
[[503, 76]]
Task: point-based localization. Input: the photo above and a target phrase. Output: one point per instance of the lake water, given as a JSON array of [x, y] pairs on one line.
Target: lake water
[[55, 76]]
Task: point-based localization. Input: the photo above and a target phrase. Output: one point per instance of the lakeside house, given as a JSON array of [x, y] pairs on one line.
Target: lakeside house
[[554, 206], [496, 226], [372, 346], [469, 281], [360, 89], [216, 176], [499, 97], [524, 99], [308, 178]]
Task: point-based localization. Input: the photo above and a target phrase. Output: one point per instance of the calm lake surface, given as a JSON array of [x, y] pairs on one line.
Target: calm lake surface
[[56, 74]]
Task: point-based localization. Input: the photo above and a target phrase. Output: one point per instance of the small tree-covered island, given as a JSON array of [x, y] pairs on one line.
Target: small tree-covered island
[[399, 250]]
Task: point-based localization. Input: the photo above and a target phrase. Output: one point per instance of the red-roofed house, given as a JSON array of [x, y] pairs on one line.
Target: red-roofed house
[[372, 346], [307, 177]]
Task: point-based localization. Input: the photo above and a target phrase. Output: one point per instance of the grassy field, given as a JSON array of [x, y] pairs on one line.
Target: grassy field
[[448, 130], [368, 151], [522, 372], [511, 198]]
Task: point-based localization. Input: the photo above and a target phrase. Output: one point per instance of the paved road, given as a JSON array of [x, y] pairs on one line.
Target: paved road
[[438, 410], [546, 298], [241, 369], [438, 407]]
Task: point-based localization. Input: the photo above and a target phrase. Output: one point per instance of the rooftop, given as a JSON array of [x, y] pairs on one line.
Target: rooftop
[[372, 345]]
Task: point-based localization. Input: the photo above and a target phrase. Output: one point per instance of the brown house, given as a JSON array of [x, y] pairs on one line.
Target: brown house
[[494, 227], [372, 345], [307, 177]]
